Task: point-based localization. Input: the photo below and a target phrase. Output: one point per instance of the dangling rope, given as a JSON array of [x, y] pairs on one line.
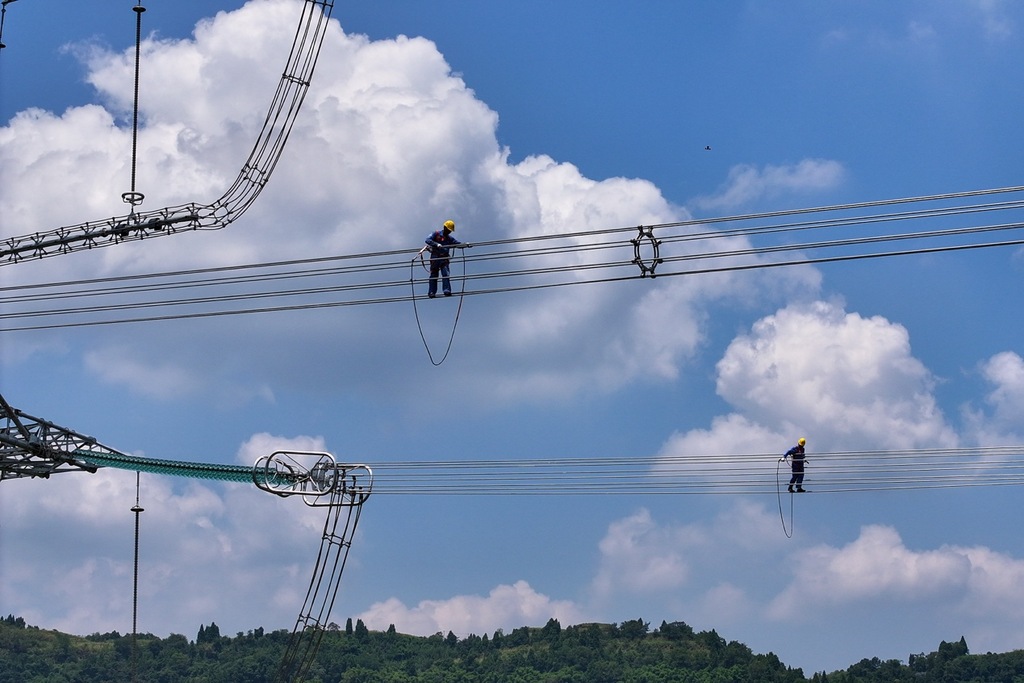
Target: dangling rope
[[778, 492], [415, 308], [132, 197]]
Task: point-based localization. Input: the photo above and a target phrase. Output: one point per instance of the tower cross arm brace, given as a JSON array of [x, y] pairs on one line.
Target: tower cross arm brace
[[89, 235], [33, 447]]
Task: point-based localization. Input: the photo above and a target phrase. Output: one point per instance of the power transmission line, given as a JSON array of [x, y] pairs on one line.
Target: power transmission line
[[691, 474], [520, 264], [840, 472]]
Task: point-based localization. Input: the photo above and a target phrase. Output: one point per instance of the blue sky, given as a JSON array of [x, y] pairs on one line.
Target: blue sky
[[517, 120]]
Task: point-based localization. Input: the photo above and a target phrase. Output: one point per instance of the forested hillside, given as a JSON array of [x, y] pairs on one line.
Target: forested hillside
[[590, 653]]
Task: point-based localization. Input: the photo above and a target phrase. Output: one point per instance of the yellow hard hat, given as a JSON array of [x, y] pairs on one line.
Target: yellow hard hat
[[801, 441], [449, 226]]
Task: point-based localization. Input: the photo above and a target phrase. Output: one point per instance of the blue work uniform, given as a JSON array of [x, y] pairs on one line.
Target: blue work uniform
[[795, 455], [439, 241]]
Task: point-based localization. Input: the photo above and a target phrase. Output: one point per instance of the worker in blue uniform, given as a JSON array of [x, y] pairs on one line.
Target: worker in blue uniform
[[796, 458], [439, 242]]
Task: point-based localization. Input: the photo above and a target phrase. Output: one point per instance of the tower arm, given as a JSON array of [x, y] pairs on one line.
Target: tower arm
[[33, 447], [255, 172]]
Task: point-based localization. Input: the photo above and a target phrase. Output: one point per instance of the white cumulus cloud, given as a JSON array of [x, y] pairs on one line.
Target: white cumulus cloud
[[1000, 425], [1006, 371], [843, 380], [875, 565], [642, 557], [505, 607], [639, 556], [977, 585]]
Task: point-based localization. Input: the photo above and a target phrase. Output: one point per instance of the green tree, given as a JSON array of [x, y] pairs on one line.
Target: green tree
[[551, 631], [208, 634], [585, 653], [634, 630], [361, 632]]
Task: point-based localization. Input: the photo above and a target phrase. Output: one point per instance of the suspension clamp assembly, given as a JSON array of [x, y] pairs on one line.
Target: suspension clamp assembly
[[133, 198]]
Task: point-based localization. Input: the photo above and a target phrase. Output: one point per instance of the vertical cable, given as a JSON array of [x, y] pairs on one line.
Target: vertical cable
[[137, 509], [132, 197], [3, 15]]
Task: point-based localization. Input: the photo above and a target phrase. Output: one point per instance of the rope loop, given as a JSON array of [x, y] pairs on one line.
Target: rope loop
[[778, 492], [416, 312]]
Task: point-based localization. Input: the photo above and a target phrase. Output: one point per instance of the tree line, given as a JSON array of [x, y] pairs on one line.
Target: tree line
[[629, 652]]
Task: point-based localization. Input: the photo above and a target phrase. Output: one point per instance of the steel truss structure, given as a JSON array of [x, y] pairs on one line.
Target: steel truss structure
[[342, 489], [253, 176], [33, 447]]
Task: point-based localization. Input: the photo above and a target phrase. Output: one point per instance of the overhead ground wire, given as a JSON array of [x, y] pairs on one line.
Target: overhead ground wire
[[405, 298], [704, 474], [733, 232], [533, 262], [754, 251], [576, 247], [709, 474]]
